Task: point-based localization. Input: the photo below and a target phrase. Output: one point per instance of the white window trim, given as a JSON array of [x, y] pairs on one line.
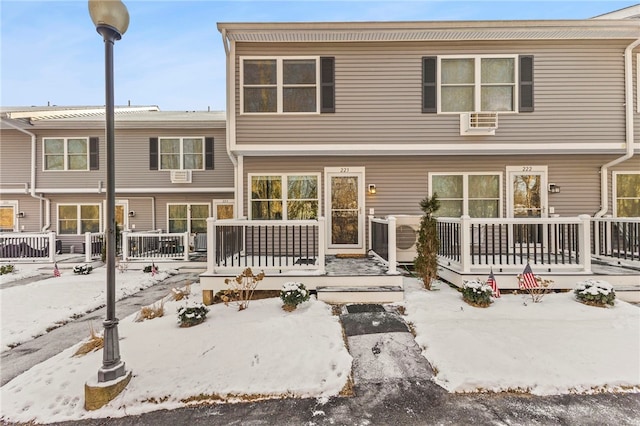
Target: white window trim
[[285, 192], [478, 82], [279, 84], [465, 187], [182, 138], [638, 82], [66, 154], [614, 189], [188, 212], [79, 218], [16, 208]]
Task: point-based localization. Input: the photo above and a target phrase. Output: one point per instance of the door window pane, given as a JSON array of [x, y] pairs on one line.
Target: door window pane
[[344, 192], [7, 218], [89, 218], [526, 196], [68, 219], [344, 227], [224, 211], [628, 195], [178, 218]]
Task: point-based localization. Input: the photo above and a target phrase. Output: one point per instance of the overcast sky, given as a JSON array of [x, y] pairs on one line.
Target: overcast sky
[[172, 54]]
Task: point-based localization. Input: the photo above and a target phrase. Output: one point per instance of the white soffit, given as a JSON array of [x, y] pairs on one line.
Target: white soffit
[[431, 31]]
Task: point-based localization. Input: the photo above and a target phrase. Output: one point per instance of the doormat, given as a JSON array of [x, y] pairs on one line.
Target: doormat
[[351, 256]]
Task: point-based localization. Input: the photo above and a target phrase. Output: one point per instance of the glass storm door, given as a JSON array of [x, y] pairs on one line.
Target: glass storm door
[[527, 199], [345, 212]]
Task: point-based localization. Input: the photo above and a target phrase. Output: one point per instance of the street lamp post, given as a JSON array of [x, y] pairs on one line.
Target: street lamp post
[[111, 19]]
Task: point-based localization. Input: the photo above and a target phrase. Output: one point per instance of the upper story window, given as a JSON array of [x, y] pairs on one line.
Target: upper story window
[[459, 84], [477, 84], [181, 153], [70, 153], [286, 85]]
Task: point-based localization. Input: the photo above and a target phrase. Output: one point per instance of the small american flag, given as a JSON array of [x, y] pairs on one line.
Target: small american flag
[[154, 270], [494, 285], [56, 271], [528, 280]]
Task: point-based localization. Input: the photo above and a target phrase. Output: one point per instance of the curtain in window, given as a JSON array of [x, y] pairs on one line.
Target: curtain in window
[[170, 154], [54, 154], [68, 219], [77, 151], [178, 218], [193, 153]]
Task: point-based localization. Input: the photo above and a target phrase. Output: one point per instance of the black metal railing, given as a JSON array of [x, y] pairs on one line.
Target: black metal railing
[[618, 238], [380, 238], [449, 237], [26, 245]]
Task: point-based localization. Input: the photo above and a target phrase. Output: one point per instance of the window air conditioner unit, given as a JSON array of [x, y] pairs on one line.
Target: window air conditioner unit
[[478, 123], [407, 228], [180, 176]]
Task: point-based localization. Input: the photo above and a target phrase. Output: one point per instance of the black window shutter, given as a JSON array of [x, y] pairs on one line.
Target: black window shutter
[[526, 83], [94, 155], [153, 153], [429, 84], [327, 84], [208, 153]]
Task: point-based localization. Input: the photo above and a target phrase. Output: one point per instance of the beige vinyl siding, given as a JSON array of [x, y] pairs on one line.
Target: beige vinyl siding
[[579, 95], [15, 157], [132, 161], [401, 181]]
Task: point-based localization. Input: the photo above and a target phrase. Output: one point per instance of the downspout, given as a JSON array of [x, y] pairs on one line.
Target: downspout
[[231, 118], [628, 98], [47, 216]]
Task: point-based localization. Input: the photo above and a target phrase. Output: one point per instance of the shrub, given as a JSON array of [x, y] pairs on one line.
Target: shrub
[[595, 293], [95, 342], [477, 293], [155, 310], [82, 269], [426, 261], [192, 315], [6, 269], [536, 293], [242, 288], [292, 294], [180, 293]]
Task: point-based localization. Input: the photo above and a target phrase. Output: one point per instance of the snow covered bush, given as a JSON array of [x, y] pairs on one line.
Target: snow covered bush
[[595, 293], [192, 315], [82, 269], [6, 269], [292, 294], [477, 293]]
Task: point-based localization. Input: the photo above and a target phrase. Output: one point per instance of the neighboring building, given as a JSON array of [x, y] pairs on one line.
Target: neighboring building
[[500, 118], [172, 170]]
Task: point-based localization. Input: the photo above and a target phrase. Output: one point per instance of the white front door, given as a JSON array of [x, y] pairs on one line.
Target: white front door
[[527, 198], [344, 206]]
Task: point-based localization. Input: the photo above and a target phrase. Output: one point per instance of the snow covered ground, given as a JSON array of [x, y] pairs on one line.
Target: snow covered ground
[[557, 346], [29, 310]]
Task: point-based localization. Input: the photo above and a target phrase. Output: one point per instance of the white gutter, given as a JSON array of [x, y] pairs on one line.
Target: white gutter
[[231, 116], [628, 98], [47, 216]]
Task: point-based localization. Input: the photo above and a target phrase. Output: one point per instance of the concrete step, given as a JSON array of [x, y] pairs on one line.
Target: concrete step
[[360, 294]]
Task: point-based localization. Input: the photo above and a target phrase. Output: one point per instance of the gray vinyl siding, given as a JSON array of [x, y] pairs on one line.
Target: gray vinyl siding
[[579, 95], [402, 181]]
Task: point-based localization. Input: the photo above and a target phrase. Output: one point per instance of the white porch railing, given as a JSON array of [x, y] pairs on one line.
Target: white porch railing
[[28, 246], [616, 238], [382, 240], [155, 246], [265, 245], [506, 244]]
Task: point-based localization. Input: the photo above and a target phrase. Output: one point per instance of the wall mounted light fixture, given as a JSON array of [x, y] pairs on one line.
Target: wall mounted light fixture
[[553, 188], [132, 213], [372, 188], [20, 215]]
